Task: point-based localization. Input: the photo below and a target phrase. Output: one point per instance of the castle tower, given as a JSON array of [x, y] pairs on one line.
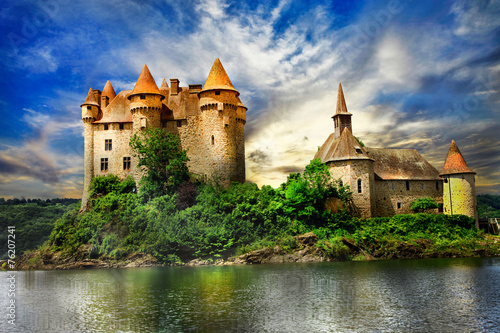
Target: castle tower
[[241, 119], [90, 112], [459, 189], [145, 102], [341, 118], [218, 104]]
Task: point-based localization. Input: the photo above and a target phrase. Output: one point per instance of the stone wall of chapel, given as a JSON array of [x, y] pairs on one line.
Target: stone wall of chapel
[[392, 196], [120, 148], [350, 172]]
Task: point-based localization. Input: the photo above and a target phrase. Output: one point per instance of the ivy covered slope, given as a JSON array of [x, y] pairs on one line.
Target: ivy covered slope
[[173, 220]]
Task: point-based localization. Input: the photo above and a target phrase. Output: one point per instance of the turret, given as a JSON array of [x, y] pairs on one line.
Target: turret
[[341, 118], [218, 104], [459, 189], [108, 94], [90, 108], [145, 102]]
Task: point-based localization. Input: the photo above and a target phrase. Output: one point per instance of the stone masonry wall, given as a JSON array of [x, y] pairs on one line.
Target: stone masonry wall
[[392, 197], [463, 195]]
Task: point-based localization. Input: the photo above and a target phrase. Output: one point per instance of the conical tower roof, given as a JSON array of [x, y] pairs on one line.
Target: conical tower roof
[[145, 84], [90, 100], [217, 79], [164, 85], [344, 148], [109, 91], [455, 162], [341, 106]]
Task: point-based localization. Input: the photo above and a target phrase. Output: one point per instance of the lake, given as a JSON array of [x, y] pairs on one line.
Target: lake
[[430, 295]]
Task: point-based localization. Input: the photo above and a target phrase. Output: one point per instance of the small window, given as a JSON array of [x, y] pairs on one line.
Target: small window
[[358, 151], [143, 122], [126, 163], [104, 164], [122, 126], [393, 186], [179, 123], [407, 185], [341, 183], [164, 124], [399, 205], [106, 127], [89, 107], [437, 186], [359, 186], [422, 186], [217, 93], [446, 180], [213, 140], [143, 96], [108, 144]]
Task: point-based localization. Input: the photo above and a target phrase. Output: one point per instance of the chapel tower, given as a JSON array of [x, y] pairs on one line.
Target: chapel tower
[[341, 118], [459, 188]]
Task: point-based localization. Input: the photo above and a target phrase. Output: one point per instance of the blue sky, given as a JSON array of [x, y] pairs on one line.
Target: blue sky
[[416, 74]]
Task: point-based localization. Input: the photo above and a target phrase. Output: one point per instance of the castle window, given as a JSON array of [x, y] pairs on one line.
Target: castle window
[[407, 185], [122, 126], [213, 140], [126, 163], [341, 183], [104, 164], [393, 186], [422, 186], [106, 127], [358, 151], [437, 185], [108, 144], [399, 205], [143, 122], [179, 123], [89, 107], [164, 124], [359, 186], [143, 96], [217, 93]]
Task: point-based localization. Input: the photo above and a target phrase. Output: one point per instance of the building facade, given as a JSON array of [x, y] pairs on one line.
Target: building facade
[[386, 181], [209, 119]]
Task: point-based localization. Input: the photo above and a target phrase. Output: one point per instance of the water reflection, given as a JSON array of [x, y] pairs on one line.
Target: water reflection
[[416, 295]]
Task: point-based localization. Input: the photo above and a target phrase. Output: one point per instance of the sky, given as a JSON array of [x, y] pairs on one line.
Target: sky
[[415, 74]]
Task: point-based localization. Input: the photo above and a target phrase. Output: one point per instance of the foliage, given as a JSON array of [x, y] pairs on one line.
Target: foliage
[[360, 142], [488, 205], [162, 160], [423, 204], [102, 185]]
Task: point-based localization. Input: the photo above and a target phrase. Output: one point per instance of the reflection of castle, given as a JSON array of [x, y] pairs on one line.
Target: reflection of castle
[[210, 122], [385, 181]]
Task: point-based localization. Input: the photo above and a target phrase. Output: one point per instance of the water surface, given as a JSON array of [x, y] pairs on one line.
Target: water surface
[[432, 295]]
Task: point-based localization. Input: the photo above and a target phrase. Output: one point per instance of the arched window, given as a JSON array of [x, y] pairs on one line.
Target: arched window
[[213, 140], [359, 186], [407, 185]]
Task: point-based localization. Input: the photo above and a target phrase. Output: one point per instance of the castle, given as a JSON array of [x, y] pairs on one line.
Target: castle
[[385, 181], [209, 120]]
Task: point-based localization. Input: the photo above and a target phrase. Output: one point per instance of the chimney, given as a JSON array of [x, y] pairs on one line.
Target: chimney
[[174, 87]]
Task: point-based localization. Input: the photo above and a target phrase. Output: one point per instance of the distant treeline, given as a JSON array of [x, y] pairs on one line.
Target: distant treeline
[[488, 205], [39, 202]]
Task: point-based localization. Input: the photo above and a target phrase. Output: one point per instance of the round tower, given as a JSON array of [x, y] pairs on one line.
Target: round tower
[[241, 119], [218, 104], [90, 112], [145, 102], [459, 188]]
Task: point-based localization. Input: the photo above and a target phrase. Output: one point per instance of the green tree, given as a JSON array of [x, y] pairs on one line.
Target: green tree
[[162, 160], [422, 204]]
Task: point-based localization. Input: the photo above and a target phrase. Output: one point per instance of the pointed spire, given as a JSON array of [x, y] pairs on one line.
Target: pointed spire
[[109, 91], [341, 106], [455, 162], [164, 85], [145, 84], [90, 100], [218, 79]]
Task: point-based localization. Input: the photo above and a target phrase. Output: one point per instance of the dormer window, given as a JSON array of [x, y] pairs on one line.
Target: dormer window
[[358, 151], [217, 93], [143, 96]]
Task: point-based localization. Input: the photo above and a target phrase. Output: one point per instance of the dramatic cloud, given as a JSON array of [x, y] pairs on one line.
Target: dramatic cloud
[[414, 76]]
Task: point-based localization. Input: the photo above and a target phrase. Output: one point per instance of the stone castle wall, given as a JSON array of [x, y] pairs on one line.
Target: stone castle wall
[[463, 195], [392, 196]]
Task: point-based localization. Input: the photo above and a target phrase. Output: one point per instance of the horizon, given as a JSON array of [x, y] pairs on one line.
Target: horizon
[[414, 76]]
